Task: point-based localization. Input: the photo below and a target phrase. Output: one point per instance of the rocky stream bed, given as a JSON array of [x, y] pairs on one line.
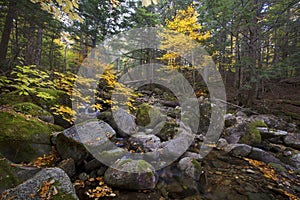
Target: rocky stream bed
[[256, 157]]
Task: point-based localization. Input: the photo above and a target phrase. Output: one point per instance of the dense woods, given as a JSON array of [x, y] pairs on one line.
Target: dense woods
[[46, 48]]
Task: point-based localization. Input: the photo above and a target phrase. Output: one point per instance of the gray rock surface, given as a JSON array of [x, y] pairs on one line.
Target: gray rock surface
[[30, 189], [131, 174]]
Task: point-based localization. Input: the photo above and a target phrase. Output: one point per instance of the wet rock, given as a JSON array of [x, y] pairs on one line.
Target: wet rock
[[292, 140], [233, 134], [30, 189], [261, 155], [131, 174], [191, 167], [239, 150], [68, 166], [71, 143], [148, 142]]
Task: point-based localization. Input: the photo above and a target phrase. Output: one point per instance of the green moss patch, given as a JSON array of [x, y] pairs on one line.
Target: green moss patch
[[8, 176], [17, 127], [28, 108], [253, 136]]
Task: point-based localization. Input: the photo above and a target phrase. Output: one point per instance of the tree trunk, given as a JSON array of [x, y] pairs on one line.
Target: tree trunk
[[12, 8], [38, 47]]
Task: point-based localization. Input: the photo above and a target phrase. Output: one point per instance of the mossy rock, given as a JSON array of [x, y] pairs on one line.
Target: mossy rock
[[253, 136], [28, 108], [13, 98], [148, 116], [165, 130], [23, 139], [8, 175]]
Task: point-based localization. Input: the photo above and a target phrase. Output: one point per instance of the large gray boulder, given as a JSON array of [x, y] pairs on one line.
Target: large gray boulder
[[131, 174], [60, 186], [72, 142]]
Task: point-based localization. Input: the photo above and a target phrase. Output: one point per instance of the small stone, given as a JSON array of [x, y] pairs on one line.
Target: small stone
[[83, 176], [250, 171], [287, 153]]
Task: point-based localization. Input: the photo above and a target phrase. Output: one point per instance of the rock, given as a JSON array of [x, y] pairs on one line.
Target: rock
[[192, 155], [92, 165], [191, 167], [275, 123], [11, 175], [148, 142], [222, 144], [83, 176], [23, 138], [230, 120], [28, 108], [68, 166], [125, 122], [165, 130], [252, 136], [271, 133], [261, 155], [71, 144], [148, 116], [295, 160], [292, 140], [30, 189], [234, 133], [131, 174], [239, 150]]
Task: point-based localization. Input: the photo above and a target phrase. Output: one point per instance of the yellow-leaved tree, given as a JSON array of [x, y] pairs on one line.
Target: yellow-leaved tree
[[183, 34]]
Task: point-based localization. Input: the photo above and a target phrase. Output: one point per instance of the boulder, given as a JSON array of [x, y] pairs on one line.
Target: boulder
[[261, 155], [292, 140], [274, 122], [55, 182], [71, 143], [148, 142], [24, 138], [191, 167], [125, 122], [239, 149], [28, 108], [131, 174]]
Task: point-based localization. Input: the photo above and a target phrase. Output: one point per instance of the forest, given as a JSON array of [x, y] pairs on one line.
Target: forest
[[149, 99]]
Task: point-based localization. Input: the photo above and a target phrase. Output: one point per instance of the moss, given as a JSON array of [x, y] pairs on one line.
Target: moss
[[28, 108], [17, 127], [142, 116], [253, 136], [61, 195], [8, 176], [143, 166], [13, 98], [277, 166], [197, 166]]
